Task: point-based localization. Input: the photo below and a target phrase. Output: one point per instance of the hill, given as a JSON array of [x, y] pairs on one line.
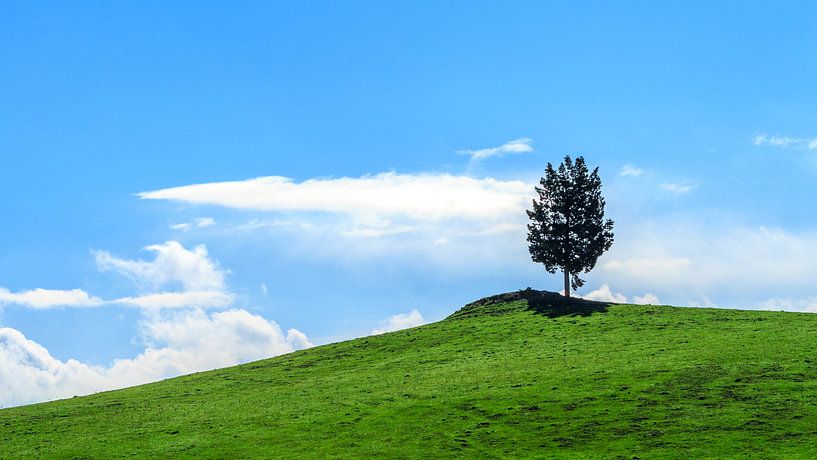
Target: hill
[[517, 375]]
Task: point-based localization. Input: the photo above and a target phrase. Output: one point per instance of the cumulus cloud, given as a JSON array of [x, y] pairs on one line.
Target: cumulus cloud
[[423, 197], [49, 298], [198, 281], [631, 171], [646, 299], [28, 372], [399, 322], [174, 265], [605, 294], [179, 343], [521, 145], [785, 142]]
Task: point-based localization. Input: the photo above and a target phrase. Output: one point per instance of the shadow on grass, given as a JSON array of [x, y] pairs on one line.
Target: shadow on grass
[[553, 304], [550, 304]]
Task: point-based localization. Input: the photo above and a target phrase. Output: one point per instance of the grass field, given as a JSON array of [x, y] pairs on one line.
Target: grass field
[[514, 376]]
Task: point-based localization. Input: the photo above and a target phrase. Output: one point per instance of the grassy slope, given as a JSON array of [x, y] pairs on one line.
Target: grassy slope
[[632, 380]]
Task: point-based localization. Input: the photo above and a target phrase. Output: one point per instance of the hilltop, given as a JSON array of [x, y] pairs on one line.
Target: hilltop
[[520, 374]]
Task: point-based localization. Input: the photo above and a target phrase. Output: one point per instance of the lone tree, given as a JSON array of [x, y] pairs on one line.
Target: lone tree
[[567, 229]]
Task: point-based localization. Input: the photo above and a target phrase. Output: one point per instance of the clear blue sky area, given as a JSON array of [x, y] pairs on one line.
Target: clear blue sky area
[[700, 116]]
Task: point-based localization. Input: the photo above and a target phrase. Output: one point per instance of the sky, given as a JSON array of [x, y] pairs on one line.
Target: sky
[[194, 185]]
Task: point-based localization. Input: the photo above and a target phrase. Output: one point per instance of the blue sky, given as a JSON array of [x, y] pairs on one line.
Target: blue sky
[[381, 214]]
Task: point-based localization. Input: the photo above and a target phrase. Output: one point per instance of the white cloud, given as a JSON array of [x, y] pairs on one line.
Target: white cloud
[[676, 188], [198, 280], [386, 215], [631, 171], [298, 339], [785, 141], [49, 298], [605, 294], [41, 299], [399, 322], [180, 343], [423, 197], [649, 266], [678, 260], [201, 222], [521, 145], [646, 299], [173, 266], [808, 304], [28, 372]]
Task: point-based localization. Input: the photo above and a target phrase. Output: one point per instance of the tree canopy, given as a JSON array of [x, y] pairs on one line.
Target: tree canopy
[[567, 229]]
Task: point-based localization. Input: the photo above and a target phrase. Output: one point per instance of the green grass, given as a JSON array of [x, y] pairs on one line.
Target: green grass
[[501, 378]]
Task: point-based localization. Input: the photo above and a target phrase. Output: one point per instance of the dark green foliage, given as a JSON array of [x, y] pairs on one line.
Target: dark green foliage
[[567, 229], [631, 381]]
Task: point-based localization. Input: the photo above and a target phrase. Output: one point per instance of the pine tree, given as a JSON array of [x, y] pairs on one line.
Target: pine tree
[[567, 229]]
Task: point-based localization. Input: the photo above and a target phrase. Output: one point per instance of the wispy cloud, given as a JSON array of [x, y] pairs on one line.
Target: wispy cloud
[[785, 142], [521, 145], [201, 222], [679, 189], [427, 197], [631, 171], [40, 299]]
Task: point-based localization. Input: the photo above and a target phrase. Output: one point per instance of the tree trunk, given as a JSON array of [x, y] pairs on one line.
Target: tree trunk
[[567, 283]]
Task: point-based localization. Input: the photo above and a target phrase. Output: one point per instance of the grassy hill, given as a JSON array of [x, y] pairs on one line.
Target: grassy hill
[[516, 375]]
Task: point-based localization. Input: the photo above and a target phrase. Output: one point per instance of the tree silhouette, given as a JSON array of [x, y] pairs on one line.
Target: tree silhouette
[[567, 229]]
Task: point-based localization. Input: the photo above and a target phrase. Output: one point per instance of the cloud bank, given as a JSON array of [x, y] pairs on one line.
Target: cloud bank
[[180, 337], [695, 261], [177, 344]]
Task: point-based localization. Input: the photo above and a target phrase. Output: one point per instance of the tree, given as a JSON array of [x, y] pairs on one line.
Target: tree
[[567, 229]]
